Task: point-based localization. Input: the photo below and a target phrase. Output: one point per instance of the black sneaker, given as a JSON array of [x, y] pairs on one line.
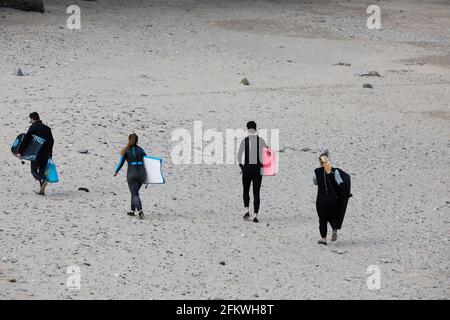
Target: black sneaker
[[322, 242], [247, 216], [131, 213], [255, 220], [141, 215]]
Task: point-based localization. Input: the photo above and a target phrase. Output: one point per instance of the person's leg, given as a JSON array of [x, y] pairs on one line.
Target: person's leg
[[36, 170], [139, 185], [246, 181], [321, 212], [257, 180], [134, 187], [42, 167], [334, 220], [323, 228]]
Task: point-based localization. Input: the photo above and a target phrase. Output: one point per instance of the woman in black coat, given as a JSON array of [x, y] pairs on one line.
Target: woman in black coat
[[327, 180]]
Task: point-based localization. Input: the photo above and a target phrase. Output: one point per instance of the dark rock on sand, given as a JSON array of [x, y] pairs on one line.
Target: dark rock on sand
[[19, 72], [245, 81], [25, 5]]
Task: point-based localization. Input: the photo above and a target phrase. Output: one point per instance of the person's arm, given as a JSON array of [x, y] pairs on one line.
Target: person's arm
[[337, 177], [51, 142], [263, 143], [241, 152], [119, 165], [315, 180], [26, 139]]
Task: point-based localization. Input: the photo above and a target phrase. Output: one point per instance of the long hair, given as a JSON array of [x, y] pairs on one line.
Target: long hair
[[132, 141]]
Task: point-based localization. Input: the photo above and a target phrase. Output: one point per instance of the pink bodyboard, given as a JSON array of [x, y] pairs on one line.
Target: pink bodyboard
[[269, 165]]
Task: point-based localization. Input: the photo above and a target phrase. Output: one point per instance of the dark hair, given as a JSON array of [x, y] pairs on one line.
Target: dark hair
[[35, 116], [251, 125]]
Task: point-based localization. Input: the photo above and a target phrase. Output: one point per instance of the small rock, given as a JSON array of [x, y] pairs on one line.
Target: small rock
[[83, 189], [12, 280], [373, 74], [222, 263], [367, 85], [19, 72], [339, 251], [345, 64], [83, 151], [245, 82]]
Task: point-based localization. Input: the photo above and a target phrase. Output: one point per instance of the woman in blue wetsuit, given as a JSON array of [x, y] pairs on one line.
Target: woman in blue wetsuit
[[136, 174]]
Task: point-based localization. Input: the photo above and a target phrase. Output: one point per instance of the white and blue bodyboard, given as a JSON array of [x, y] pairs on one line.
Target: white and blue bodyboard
[[153, 167]]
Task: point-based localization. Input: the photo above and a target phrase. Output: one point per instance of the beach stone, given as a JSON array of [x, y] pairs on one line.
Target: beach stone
[[373, 74], [83, 151], [222, 263], [19, 72], [25, 5], [245, 82], [367, 86], [83, 189], [345, 64]]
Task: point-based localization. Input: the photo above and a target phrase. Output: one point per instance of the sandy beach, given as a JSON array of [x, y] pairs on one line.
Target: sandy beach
[[152, 67]]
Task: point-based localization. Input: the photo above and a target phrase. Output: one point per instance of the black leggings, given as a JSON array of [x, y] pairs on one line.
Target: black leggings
[[136, 179], [38, 169], [328, 211], [252, 174]]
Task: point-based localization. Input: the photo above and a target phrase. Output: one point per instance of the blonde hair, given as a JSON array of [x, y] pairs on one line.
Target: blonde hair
[[132, 141], [324, 157]]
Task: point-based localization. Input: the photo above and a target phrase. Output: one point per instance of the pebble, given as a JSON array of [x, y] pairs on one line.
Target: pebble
[[245, 82]]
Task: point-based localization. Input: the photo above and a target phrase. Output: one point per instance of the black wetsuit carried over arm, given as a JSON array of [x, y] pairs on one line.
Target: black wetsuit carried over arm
[[136, 173], [38, 167], [249, 155]]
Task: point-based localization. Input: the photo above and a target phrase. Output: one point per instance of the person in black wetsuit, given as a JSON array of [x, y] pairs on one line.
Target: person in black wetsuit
[[327, 180], [136, 174], [249, 155], [38, 166]]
